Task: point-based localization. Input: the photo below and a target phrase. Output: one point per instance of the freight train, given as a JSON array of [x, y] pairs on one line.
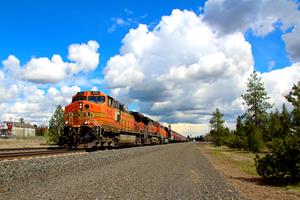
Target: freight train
[[95, 120]]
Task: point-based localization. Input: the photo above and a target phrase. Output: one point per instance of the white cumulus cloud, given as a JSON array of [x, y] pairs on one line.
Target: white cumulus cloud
[[11, 67], [33, 104], [83, 57], [292, 41], [181, 70], [279, 82], [262, 17], [43, 70], [22, 97]]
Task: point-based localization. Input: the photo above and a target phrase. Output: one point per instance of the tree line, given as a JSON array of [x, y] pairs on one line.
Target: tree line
[[260, 129]]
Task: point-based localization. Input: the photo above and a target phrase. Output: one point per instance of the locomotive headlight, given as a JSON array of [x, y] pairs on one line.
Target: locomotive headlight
[[66, 122], [85, 122], [80, 105]]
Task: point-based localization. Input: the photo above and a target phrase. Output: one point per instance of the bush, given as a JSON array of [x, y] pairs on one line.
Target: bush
[[235, 141], [284, 160]]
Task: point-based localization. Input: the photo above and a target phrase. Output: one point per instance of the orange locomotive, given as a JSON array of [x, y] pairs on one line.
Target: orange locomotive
[[94, 119]]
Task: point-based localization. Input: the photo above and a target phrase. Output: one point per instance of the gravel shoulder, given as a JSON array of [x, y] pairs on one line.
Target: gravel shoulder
[[250, 186], [173, 171]]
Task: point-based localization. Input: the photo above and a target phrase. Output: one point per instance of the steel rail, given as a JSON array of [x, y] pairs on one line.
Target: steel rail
[[29, 148], [12, 155]]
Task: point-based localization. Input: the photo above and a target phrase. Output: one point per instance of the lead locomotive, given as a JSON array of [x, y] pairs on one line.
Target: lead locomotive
[[94, 119]]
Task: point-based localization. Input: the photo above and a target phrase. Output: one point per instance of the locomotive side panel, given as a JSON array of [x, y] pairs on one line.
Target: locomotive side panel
[[127, 123]]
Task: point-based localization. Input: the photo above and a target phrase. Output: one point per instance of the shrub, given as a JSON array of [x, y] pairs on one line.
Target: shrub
[[284, 160], [235, 141]]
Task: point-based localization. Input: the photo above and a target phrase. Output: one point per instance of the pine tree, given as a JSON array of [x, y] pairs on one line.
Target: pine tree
[[283, 159], [256, 115], [279, 125], [240, 140], [285, 120], [217, 127], [56, 123], [274, 126], [257, 101], [294, 99]]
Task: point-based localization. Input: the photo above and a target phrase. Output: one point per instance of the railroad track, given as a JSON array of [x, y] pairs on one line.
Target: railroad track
[[13, 153], [21, 153], [29, 148]]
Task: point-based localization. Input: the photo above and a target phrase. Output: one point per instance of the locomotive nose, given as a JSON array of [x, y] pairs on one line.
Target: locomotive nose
[[84, 105]]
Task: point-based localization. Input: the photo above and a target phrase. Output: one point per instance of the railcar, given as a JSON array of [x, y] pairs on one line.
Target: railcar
[[94, 119], [176, 137]]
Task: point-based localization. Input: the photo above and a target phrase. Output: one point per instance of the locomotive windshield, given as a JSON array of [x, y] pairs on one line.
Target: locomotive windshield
[[78, 98], [96, 99]]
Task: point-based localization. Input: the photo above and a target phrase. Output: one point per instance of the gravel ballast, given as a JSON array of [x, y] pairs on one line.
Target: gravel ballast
[[173, 171]]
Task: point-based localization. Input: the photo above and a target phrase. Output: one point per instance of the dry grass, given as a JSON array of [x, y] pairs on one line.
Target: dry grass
[[239, 168], [242, 159], [37, 141]]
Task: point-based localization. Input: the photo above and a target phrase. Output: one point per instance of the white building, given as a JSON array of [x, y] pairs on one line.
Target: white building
[[18, 129]]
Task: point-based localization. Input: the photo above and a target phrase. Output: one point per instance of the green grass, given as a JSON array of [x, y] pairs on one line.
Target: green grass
[[293, 187], [242, 159], [247, 165], [245, 161]]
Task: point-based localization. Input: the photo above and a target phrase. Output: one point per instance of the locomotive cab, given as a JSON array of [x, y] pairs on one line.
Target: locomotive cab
[[94, 118], [81, 128]]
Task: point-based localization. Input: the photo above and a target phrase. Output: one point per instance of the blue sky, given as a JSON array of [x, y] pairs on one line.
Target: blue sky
[[43, 28], [268, 48], [196, 60]]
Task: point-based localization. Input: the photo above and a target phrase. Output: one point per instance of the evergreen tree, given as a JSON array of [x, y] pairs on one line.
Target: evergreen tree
[[279, 125], [217, 127], [22, 120], [239, 125], [240, 139], [56, 123], [285, 121], [294, 99], [283, 160], [256, 100], [274, 126]]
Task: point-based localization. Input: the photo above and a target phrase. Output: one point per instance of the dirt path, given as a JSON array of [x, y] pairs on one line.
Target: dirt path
[[250, 186]]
